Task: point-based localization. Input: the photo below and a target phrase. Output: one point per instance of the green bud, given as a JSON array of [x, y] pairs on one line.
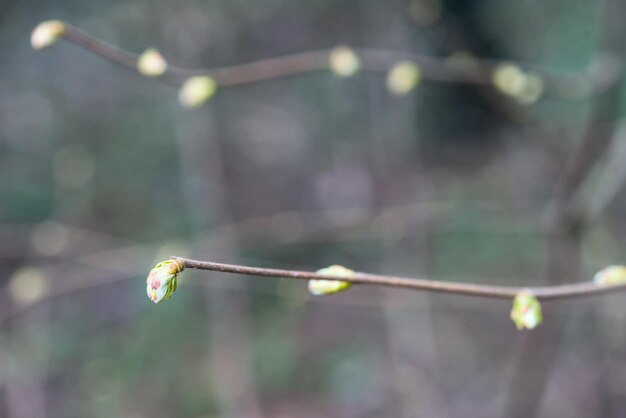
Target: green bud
[[327, 287], [151, 63], [526, 311], [510, 79], [610, 275], [196, 90], [162, 280], [343, 61], [46, 33], [403, 77]]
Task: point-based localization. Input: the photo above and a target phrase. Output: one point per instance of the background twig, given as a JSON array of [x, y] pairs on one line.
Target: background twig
[[470, 70]]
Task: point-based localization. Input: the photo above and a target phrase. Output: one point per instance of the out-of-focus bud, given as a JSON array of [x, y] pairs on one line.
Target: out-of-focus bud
[[526, 311], [327, 287], [509, 78], [46, 33], [196, 90], [151, 63], [28, 285], [343, 61], [403, 77], [532, 90], [161, 282], [610, 276], [526, 88]]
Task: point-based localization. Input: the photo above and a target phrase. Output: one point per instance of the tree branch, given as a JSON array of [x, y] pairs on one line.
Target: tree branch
[[309, 61], [542, 293], [468, 70]]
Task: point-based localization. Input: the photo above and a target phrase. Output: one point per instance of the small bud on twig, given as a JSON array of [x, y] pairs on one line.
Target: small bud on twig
[[196, 90], [510, 79], [162, 280], [327, 287], [46, 33], [526, 310], [610, 275], [343, 61], [403, 77], [151, 63]]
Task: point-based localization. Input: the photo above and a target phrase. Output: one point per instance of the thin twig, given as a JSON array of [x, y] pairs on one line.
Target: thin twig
[[543, 293], [599, 134], [469, 70], [373, 60]]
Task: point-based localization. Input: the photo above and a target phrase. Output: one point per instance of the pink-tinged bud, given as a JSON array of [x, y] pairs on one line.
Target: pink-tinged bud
[[526, 311], [161, 282], [46, 33], [610, 276], [327, 287], [151, 63]]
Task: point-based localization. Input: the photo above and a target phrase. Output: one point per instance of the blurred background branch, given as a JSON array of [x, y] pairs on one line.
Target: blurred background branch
[[460, 68]]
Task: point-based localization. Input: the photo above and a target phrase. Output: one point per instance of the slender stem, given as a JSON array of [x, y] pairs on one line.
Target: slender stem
[[99, 47], [112, 53], [567, 291], [373, 60], [470, 71]]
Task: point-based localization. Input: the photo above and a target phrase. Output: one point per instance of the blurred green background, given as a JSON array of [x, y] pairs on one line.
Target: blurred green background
[[103, 174]]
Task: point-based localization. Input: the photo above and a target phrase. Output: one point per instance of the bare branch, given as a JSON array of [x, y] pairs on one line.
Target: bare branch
[[467, 70], [543, 293]]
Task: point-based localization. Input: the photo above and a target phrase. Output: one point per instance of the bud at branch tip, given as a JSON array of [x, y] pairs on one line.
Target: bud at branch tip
[[162, 280], [46, 34]]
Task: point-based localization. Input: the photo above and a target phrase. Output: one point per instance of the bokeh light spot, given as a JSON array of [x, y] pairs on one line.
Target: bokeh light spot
[[28, 285]]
